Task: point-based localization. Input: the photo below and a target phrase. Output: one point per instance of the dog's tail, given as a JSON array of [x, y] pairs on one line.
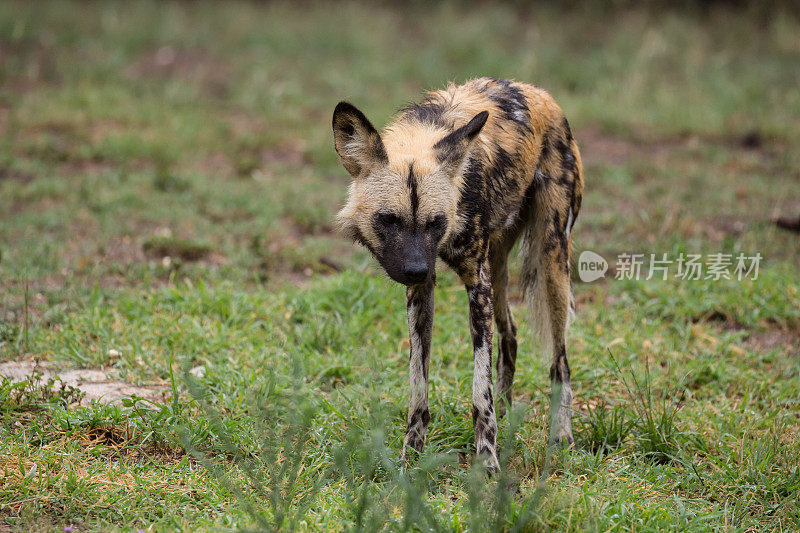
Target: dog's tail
[[547, 242]]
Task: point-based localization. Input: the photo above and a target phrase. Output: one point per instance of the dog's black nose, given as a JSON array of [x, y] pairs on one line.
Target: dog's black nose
[[415, 272]]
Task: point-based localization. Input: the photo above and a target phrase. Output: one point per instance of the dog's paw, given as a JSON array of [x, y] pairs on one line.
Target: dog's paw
[[562, 437], [490, 462]]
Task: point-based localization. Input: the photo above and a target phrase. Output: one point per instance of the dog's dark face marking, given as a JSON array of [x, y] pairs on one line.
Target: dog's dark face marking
[[408, 250], [410, 244]]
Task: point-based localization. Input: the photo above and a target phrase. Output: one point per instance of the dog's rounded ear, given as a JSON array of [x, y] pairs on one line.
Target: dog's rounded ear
[[356, 140], [452, 149]]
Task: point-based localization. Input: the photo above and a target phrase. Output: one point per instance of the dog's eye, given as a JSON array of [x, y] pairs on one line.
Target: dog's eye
[[436, 223], [389, 219]]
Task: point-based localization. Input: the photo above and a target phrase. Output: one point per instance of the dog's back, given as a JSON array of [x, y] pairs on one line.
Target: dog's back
[[526, 131]]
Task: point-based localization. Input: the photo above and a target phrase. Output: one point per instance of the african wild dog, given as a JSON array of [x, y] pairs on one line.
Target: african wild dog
[[462, 175]]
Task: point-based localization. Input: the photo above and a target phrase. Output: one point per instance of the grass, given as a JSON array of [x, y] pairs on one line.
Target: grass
[[167, 191], [289, 373]]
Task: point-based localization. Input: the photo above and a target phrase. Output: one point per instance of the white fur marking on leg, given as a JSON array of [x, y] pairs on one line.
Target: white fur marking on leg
[[570, 221]]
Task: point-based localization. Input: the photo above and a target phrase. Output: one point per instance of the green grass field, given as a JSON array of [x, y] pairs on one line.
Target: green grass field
[[167, 190]]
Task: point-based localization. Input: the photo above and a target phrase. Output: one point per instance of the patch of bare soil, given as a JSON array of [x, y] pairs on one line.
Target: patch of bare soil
[[290, 153], [38, 62], [242, 124], [780, 338], [598, 147], [263, 160], [62, 145], [15, 175], [192, 65], [216, 165], [162, 246], [96, 384], [5, 114], [774, 338], [724, 226]]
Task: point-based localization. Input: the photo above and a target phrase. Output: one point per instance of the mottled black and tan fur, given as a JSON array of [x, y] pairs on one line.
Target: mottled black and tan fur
[[463, 175]]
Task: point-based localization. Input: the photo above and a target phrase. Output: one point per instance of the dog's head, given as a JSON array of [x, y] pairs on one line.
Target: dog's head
[[404, 194]]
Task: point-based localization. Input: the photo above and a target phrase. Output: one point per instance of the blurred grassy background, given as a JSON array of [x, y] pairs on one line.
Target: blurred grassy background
[[200, 131], [167, 189]]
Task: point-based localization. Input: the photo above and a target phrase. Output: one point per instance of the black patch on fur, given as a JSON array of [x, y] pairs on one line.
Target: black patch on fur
[[480, 313], [480, 325], [484, 204], [503, 161], [360, 239], [569, 166], [567, 130], [559, 146], [559, 371], [383, 231], [411, 182], [553, 236], [420, 414], [450, 149], [472, 205], [380, 151], [348, 129], [576, 204], [546, 146], [423, 326], [429, 111], [501, 179], [507, 357], [512, 103], [557, 153], [564, 241]]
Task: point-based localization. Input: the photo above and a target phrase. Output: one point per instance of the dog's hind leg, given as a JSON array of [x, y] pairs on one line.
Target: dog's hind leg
[[559, 296]]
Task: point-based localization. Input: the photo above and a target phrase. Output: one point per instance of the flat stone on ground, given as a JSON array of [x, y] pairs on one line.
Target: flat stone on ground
[[100, 385]]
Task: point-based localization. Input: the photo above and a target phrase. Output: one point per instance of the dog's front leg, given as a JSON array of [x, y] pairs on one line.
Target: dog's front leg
[[481, 325], [419, 306]]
